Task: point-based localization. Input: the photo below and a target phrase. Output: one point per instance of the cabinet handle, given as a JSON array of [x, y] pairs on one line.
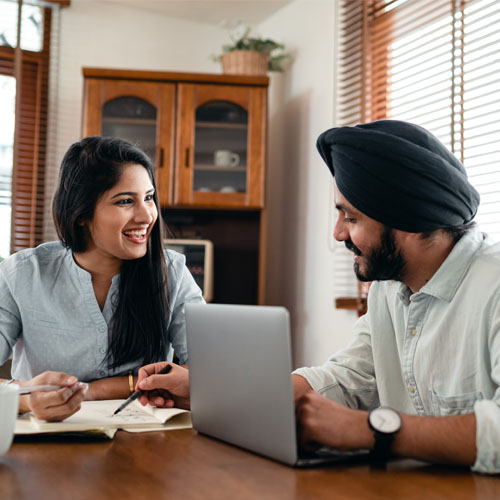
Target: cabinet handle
[[186, 164], [160, 161]]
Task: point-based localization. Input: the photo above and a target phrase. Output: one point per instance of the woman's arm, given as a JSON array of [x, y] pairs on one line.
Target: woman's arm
[[110, 388]]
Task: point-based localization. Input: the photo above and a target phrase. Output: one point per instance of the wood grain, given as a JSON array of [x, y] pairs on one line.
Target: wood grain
[[183, 464], [177, 77]]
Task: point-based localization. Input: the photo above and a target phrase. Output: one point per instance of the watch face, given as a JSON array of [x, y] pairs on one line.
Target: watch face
[[385, 420]]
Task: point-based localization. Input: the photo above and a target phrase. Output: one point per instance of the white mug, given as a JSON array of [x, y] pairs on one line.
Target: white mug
[[226, 158], [9, 400]]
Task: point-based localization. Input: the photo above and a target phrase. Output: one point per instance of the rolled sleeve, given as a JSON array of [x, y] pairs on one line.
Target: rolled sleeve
[[348, 377], [487, 437], [488, 411]]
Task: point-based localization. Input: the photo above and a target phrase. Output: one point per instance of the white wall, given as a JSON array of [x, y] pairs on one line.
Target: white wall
[[300, 205], [300, 262]]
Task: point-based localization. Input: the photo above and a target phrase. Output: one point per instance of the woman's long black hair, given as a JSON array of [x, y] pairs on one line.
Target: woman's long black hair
[[89, 168]]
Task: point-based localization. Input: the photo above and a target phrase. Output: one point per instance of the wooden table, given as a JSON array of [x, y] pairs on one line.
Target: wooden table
[[185, 465]]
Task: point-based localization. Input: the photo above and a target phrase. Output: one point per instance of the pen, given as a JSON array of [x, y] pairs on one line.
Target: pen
[[137, 394], [28, 389]]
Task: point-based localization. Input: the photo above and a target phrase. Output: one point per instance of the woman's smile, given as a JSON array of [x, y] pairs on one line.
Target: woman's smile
[[137, 236]]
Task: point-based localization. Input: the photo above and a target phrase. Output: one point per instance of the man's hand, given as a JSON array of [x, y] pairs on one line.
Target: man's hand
[[54, 405], [164, 391], [324, 422]]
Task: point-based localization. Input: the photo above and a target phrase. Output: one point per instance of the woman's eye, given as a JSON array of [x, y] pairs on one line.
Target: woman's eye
[[149, 197], [125, 201], [349, 219]]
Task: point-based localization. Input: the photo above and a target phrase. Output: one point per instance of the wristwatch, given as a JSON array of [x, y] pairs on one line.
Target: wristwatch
[[385, 424]]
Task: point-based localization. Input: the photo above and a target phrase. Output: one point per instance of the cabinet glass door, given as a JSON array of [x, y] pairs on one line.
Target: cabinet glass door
[[133, 119], [220, 148], [220, 152]]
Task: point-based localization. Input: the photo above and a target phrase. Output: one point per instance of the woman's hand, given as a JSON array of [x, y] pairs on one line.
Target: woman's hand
[[164, 391], [56, 405]]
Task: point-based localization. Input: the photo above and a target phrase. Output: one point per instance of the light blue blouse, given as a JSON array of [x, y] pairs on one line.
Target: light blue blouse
[[434, 352], [50, 318]]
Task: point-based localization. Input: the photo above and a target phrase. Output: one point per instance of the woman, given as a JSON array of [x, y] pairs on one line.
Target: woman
[[104, 300]]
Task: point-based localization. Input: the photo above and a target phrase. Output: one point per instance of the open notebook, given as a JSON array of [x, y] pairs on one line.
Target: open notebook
[[97, 416]]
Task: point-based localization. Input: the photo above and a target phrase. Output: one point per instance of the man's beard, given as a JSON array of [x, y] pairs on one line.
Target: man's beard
[[384, 262]]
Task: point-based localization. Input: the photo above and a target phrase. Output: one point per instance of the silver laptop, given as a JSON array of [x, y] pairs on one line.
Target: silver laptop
[[241, 389]]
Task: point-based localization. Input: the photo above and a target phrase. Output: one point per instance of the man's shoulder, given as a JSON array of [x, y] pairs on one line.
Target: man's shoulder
[[485, 264], [489, 252]]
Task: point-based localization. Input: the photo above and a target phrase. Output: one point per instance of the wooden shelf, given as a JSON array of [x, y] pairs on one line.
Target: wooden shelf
[[129, 121], [240, 126], [216, 168]]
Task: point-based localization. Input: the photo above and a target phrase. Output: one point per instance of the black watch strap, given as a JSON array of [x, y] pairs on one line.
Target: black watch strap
[[381, 451]]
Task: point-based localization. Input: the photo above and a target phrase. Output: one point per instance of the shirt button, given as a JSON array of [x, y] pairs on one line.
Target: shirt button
[[102, 350], [411, 389], [102, 373], [413, 332], [102, 329]]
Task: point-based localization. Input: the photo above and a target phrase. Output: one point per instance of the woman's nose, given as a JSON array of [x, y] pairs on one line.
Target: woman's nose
[[145, 213]]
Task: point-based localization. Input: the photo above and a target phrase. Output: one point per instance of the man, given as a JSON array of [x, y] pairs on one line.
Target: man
[[428, 350], [429, 346]]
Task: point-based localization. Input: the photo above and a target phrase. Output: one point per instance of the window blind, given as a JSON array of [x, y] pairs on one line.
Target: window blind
[[435, 63], [29, 64]]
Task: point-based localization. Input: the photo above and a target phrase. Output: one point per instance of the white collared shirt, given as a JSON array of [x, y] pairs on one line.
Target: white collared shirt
[[434, 352]]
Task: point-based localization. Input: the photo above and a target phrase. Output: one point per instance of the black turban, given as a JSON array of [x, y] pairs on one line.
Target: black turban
[[400, 175]]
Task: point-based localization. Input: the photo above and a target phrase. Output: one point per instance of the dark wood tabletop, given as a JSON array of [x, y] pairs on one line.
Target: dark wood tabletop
[[184, 464]]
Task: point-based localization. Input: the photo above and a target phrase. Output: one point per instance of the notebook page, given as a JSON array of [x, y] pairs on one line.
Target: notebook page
[[99, 415]]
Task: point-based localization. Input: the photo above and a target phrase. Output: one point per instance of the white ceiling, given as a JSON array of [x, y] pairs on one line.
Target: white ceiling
[[223, 13]]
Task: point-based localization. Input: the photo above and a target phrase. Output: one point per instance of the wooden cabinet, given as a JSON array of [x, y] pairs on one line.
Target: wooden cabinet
[[220, 146], [206, 135]]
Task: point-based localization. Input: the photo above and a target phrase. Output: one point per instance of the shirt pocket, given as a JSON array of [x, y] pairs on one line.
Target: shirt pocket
[[454, 405]]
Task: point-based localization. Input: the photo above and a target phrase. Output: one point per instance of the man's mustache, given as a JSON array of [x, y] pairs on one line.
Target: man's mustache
[[352, 247]]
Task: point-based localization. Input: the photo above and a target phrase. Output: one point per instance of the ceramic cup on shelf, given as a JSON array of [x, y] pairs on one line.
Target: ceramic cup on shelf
[[9, 400], [226, 158]]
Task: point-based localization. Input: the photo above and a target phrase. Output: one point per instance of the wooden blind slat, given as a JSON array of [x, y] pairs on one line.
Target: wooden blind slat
[[30, 142]]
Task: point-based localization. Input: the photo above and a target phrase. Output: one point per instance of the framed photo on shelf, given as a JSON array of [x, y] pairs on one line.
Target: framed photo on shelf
[[199, 260]]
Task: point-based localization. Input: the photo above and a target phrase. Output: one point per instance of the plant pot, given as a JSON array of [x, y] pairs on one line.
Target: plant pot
[[244, 62]]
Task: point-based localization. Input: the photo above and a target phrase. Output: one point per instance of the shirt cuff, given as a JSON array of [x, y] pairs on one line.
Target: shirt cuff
[[322, 381], [487, 437]]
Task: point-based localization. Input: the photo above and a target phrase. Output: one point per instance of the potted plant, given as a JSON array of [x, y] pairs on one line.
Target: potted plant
[[250, 55]]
